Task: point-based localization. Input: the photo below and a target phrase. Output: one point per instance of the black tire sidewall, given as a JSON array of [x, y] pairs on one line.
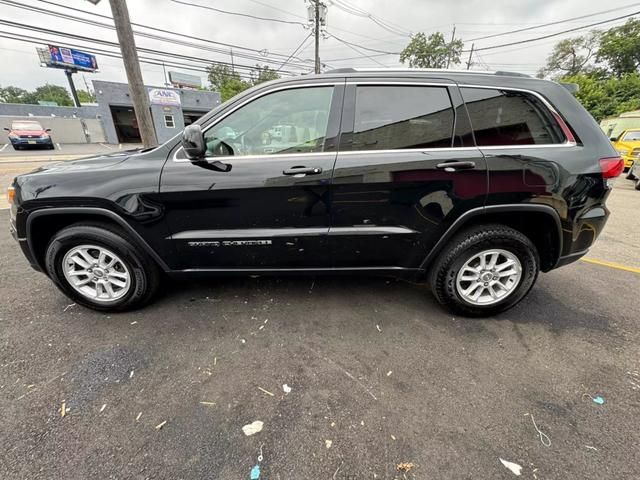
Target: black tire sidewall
[[74, 236], [444, 279]]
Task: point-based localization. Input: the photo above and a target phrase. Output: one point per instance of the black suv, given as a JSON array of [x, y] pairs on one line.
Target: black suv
[[476, 181]]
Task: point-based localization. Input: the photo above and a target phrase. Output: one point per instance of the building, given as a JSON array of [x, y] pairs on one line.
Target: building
[[171, 110], [112, 119]]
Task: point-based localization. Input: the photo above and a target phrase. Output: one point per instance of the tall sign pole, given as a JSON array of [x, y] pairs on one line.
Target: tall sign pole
[[317, 33], [139, 94], [74, 94]]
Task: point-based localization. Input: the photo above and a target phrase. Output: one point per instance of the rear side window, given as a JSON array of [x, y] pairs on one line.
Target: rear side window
[[502, 117], [395, 117]]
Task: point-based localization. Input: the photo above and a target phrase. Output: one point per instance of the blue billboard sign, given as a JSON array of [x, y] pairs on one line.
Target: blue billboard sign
[[68, 57]]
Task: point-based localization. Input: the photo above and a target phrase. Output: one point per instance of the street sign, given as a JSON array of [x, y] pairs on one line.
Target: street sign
[[63, 57], [160, 96], [185, 80]]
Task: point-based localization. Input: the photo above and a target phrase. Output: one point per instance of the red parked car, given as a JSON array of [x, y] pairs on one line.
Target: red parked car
[[27, 133]]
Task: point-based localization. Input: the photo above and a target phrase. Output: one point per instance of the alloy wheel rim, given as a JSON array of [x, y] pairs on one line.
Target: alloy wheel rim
[[96, 273], [489, 277]]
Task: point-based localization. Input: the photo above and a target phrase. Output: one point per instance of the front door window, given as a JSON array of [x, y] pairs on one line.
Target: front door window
[[288, 121]]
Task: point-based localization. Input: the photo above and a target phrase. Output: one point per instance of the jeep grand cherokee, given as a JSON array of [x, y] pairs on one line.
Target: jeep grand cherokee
[[474, 181]]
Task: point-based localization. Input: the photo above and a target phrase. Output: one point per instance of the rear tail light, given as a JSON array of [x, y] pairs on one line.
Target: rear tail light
[[611, 167]]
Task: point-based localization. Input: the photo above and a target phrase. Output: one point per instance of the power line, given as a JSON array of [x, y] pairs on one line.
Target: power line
[[493, 47], [147, 35], [116, 45], [357, 51], [226, 12], [149, 27], [294, 52], [520, 30], [341, 40], [353, 10]]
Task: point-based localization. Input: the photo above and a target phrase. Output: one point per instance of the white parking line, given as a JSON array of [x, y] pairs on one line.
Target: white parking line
[[106, 146], [4, 146], [59, 147]]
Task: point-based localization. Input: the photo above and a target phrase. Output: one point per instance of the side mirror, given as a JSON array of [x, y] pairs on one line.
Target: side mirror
[[7, 129], [47, 130], [614, 139], [193, 142]]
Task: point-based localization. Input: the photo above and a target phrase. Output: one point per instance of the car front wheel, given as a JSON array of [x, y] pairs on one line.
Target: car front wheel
[[485, 270], [99, 267]]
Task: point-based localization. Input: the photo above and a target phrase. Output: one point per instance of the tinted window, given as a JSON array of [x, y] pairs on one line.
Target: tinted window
[[389, 118], [500, 117], [288, 121]]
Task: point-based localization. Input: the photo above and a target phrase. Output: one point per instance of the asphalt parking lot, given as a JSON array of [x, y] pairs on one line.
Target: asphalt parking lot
[[379, 375]]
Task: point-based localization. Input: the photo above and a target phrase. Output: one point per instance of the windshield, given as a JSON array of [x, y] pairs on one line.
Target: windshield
[[30, 126], [632, 137]]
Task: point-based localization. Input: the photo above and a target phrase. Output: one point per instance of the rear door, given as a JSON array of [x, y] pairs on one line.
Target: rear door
[[403, 173]]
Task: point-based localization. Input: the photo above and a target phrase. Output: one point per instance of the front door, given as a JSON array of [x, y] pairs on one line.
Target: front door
[[261, 198], [406, 169]]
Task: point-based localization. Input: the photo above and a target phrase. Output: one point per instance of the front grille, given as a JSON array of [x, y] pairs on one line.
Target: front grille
[[29, 136]]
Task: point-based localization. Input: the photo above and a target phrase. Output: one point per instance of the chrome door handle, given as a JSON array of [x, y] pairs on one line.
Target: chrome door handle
[[455, 166], [302, 171]]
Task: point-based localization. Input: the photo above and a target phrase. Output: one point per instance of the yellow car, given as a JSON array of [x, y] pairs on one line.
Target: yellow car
[[628, 146]]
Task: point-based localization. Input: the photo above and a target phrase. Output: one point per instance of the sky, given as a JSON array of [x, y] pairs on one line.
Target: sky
[[269, 42]]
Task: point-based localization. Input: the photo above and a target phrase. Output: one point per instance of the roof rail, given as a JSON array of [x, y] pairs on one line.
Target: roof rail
[[427, 70]]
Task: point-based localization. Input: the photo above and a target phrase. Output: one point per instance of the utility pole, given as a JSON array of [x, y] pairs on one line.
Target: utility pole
[[470, 56], [233, 67], [134, 75], [453, 37], [317, 34]]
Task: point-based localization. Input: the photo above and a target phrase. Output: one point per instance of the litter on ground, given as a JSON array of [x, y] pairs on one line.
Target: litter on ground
[[514, 467], [286, 388], [328, 443], [160, 425], [405, 467], [253, 428], [266, 391], [103, 407]]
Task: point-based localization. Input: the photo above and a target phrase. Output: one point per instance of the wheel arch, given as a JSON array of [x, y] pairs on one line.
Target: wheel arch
[[527, 219], [48, 221]]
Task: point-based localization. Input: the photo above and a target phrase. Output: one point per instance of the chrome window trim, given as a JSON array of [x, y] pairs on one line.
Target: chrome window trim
[[370, 82], [249, 100]]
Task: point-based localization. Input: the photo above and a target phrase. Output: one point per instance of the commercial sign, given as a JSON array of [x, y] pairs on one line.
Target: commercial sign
[[68, 57], [159, 96], [185, 80]]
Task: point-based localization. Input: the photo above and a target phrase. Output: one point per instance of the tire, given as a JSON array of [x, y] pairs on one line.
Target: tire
[[447, 281], [630, 175], [134, 268], [638, 184], [17, 147]]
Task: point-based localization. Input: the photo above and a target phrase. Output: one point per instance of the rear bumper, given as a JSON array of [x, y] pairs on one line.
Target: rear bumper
[[568, 259]]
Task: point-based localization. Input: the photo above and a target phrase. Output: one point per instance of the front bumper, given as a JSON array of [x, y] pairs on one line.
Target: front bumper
[[25, 142], [24, 246]]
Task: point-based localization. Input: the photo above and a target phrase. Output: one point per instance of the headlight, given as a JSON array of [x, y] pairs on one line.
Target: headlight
[[13, 135], [44, 135], [623, 151]]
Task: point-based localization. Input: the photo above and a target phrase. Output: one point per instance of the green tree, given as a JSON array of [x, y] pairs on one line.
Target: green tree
[[607, 97], [431, 52], [226, 81], [51, 93], [229, 83], [571, 56], [263, 74], [13, 95], [86, 97], [620, 48]]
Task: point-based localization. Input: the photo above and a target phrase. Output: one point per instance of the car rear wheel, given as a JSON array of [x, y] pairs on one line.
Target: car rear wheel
[[485, 270], [99, 267]]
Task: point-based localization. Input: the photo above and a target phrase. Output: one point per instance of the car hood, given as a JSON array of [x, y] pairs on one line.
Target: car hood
[[87, 163], [28, 132], [629, 145]]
